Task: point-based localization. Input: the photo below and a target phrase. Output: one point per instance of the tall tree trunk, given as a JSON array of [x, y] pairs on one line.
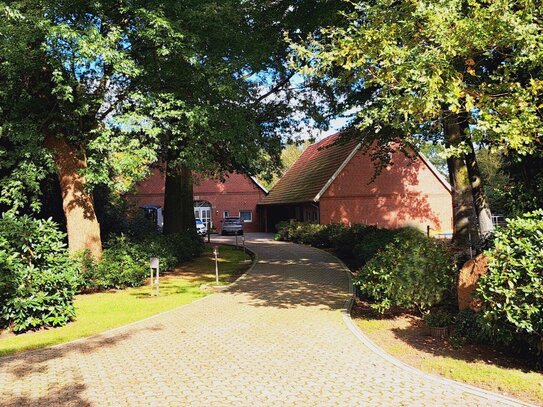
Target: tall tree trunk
[[178, 200], [480, 201], [78, 205], [464, 232]]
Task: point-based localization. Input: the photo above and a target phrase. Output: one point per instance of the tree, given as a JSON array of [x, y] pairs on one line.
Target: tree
[[460, 72], [68, 98], [229, 104]]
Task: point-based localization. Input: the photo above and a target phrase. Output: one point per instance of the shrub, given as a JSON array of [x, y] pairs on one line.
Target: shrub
[[411, 271], [37, 278], [349, 237], [438, 319], [468, 325], [328, 234], [299, 232], [125, 261], [373, 240], [512, 291], [283, 229]]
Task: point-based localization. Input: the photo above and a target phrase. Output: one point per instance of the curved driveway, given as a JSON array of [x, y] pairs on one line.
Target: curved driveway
[[277, 337]]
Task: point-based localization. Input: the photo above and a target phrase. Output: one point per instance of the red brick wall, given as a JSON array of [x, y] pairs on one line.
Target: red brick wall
[[406, 193], [237, 192]]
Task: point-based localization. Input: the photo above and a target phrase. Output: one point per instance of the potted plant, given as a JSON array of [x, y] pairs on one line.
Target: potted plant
[[439, 323]]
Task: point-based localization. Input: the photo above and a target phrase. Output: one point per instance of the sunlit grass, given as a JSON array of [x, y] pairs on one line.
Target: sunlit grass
[[102, 311], [397, 337]]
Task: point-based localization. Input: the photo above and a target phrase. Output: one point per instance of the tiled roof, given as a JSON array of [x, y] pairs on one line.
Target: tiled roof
[[311, 172]]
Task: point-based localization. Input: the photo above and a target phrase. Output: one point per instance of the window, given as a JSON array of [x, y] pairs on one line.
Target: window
[[225, 214], [246, 216]]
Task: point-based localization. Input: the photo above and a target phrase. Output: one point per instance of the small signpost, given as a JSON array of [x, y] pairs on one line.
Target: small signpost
[[216, 254], [155, 275]]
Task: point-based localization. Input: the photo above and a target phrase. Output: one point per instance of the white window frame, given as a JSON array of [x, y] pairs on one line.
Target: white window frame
[[247, 221], [225, 214]]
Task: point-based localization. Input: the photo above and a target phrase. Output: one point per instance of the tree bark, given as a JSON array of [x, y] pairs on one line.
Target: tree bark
[[480, 201], [77, 203], [464, 232], [178, 201]]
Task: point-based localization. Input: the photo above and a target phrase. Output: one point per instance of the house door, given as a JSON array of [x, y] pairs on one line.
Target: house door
[[202, 210]]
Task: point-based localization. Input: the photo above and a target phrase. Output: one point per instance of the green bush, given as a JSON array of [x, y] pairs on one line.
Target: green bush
[[512, 290], [283, 229], [309, 233], [411, 271], [348, 238], [328, 234], [125, 261], [357, 243], [468, 325], [373, 240], [438, 319], [37, 278]]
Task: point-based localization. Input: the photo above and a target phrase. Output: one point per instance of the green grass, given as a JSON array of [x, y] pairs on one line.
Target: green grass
[[480, 365], [106, 310]]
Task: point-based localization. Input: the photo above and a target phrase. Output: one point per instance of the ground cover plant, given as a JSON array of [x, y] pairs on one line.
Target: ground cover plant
[[104, 310]]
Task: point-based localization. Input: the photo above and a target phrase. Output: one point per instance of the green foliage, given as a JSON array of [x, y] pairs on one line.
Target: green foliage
[[438, 319], [328, 234], [411, 271], [369, 244], [512, 290], [413, 63], [469, 327], [125, 261], [309, 233], [357, 243], [37, 278], [346, 241]]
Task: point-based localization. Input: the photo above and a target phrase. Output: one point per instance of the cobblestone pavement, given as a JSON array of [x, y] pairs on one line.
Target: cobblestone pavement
[[275, 338]]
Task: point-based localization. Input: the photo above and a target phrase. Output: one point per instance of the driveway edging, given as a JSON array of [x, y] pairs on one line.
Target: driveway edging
[[358, 333]]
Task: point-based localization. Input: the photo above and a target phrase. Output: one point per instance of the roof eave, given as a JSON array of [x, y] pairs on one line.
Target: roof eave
[[337, 172], [262, 187]]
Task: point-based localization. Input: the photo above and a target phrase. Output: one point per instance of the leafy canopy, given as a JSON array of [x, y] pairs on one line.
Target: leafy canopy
[[405, 65]]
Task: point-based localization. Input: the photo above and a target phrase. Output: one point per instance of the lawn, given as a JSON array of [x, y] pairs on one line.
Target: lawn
[[404, 337], [99, 312]]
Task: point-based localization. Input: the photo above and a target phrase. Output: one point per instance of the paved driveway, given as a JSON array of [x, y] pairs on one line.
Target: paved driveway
[[276, 338]]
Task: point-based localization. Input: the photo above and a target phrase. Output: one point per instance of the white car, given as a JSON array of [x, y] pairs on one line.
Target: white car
[[200, 227]]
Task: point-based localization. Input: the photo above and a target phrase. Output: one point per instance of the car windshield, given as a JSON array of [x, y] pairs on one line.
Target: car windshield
[[198, 222], [231, 220]]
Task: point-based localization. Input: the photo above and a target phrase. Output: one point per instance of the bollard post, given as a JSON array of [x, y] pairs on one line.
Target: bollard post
[[216, 253], [155, 275], [244, 252]]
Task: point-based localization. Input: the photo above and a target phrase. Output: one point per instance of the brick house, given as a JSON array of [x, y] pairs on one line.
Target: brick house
[[331, 183], [214, 200]]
